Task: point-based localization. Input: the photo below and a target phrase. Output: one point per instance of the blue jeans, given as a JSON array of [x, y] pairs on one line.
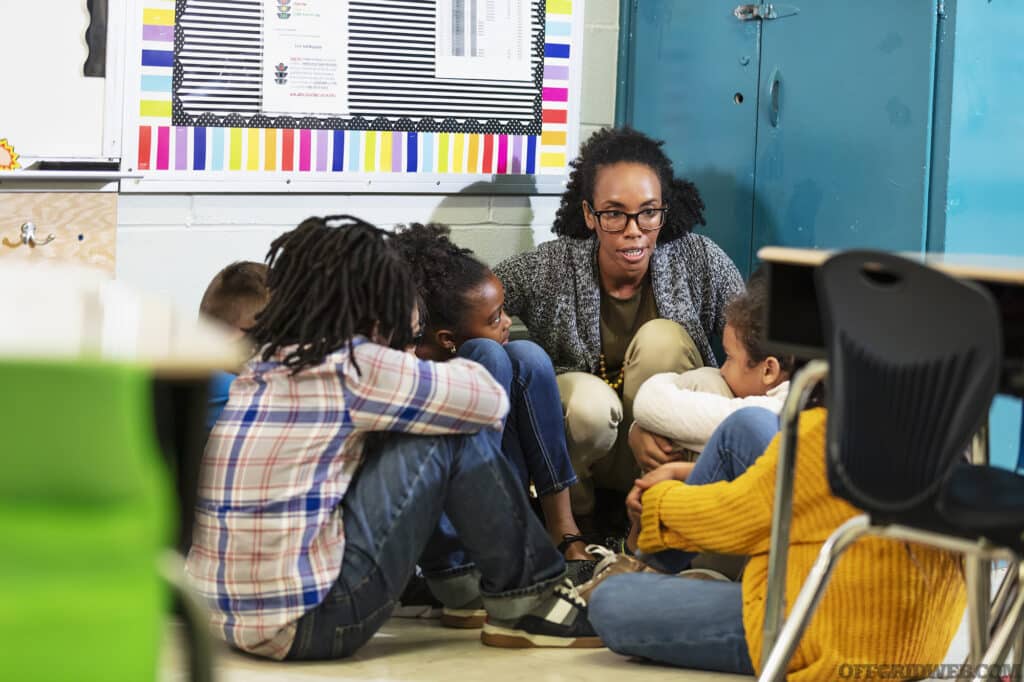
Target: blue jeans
[[683, 622], [534, 436], [392, 515]]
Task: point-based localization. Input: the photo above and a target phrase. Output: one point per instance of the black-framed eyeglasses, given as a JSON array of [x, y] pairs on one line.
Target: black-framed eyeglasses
[[648, 220]]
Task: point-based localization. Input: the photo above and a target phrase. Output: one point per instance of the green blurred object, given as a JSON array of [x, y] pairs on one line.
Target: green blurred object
[[85, 513]]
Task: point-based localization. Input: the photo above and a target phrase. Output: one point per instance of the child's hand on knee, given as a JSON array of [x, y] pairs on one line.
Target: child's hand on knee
[[673, 471], [649, 449]]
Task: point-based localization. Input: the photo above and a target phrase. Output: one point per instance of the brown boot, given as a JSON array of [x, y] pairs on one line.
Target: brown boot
[[611, 563]]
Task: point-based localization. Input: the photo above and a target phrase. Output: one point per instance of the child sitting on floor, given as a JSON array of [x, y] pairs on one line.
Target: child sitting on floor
[[326, 478], [887, 600], [235, 296], [465, 305], [675, 414]]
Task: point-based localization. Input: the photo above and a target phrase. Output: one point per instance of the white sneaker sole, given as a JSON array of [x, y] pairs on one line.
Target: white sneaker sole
[[704, 574], [506, 638]]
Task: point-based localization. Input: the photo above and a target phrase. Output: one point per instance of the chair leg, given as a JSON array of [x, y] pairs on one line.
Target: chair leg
[[978, 571], [1005, 593], [197, 622], [979, 593], [1018, 653], [813, 589], [996, 619], [782, 509], [1006, 634]]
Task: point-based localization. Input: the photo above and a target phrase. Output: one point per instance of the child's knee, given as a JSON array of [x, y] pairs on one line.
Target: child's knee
[[488, 353], [751, 422], [529, 356]]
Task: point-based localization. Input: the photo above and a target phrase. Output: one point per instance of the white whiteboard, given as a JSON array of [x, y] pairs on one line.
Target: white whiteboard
[[50, 110]]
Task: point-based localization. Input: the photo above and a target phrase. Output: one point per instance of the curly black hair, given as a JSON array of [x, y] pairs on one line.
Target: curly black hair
[[444, 272], [747, 314], [331, 279], [616, 145]]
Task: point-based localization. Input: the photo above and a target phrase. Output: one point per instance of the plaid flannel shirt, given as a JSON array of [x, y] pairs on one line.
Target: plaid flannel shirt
[[269, 533]]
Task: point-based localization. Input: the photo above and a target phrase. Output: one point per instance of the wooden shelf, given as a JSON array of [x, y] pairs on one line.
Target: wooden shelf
[[43, 176]]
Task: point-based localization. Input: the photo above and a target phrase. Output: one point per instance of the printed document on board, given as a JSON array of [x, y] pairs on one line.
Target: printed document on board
[[305, 55], [484, 39]]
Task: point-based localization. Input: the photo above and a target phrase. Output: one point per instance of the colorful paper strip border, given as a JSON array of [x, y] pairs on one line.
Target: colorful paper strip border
[[164, 147]]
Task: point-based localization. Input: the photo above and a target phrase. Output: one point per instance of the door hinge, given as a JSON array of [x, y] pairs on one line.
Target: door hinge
[[765, 11]]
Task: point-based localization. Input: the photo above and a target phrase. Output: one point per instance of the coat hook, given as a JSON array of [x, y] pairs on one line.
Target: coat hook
[[28, 237]]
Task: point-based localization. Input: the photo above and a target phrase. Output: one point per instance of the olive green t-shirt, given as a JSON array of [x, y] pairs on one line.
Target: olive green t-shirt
[[620, 320]]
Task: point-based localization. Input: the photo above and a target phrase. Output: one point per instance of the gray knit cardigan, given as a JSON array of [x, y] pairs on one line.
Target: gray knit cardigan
[[554, 290]]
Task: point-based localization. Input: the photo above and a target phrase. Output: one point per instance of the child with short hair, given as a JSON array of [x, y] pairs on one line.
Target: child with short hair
[[235, 296], [675, 414], [466, 317], [324, 481]]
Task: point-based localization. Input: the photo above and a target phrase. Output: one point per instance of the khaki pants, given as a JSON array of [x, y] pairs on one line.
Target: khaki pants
[[597, 421]]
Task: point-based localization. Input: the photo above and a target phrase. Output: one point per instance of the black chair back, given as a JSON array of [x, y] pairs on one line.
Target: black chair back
[[914, 358]]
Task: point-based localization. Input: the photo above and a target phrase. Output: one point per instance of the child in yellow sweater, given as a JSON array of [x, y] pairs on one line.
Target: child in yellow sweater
[[887, 602]]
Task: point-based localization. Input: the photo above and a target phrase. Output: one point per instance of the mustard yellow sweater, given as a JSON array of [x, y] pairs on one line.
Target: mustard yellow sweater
[[887, 602]]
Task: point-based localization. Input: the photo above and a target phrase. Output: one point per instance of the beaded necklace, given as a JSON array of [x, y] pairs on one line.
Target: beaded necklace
[[616, 382], [602, 372]]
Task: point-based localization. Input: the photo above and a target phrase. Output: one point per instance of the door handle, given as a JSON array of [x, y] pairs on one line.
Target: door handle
[[764, 11], [774, 97]]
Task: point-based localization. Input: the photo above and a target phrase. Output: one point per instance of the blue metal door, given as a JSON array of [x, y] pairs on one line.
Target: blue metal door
[[691, 73], [844, 124]]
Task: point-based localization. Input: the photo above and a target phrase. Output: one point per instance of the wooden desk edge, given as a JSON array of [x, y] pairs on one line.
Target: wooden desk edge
[[980, 267]]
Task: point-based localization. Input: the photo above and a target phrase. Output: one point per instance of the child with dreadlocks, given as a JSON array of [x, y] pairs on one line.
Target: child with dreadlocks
[[466, 318], [324, 481]]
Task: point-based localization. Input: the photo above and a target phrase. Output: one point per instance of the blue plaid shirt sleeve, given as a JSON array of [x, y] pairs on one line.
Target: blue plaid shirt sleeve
[[395, 391]]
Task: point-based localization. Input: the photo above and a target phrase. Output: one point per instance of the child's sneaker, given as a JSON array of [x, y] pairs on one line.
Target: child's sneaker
[[559, 621], [611, 563], [468, 617], [417, 601], [580, 571]]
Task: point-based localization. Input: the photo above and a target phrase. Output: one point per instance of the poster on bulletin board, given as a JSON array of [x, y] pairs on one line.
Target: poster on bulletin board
[[352, 95]]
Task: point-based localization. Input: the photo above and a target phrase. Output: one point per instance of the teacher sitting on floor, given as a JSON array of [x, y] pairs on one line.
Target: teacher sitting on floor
[[626, 292]]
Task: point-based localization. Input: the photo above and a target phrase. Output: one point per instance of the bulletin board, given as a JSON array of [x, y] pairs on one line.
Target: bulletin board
[[352, 95]]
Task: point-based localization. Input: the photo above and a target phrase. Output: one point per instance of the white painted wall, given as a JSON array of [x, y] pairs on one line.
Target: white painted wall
[[47, 107], [174, 244]]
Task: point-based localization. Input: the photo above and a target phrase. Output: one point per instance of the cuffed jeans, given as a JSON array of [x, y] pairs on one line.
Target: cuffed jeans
[[393, 520], [679, 621]]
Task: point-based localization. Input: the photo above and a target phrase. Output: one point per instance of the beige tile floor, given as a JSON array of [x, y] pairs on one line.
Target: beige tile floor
[[422, 650]]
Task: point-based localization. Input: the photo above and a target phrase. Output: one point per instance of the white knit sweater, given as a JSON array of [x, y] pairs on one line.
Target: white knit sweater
[[675, 406]]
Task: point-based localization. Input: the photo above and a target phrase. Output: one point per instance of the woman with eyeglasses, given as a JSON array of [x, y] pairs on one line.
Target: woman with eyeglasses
[[627, 291]]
